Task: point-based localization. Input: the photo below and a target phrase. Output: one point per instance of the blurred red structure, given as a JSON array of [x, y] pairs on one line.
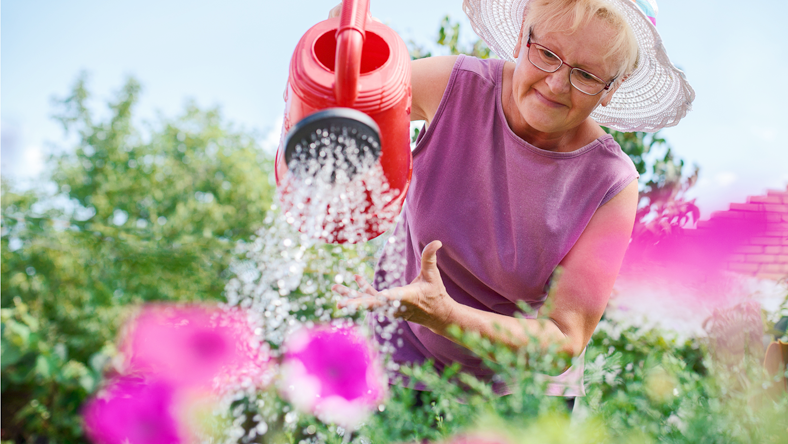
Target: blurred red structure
[[765, 253], [749, 238]]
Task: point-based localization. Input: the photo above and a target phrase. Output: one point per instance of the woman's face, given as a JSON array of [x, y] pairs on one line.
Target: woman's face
[[547, 101]]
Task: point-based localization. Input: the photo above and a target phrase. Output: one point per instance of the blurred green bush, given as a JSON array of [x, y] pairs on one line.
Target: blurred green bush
[[140, 213]]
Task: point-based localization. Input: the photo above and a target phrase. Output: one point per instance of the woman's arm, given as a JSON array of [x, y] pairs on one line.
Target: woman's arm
[[578, 300], [591, 268], [568, 318], [429, 78]]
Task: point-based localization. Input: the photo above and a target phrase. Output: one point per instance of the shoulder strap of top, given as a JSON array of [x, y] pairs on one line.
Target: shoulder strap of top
[[487, 69], [470, 78]]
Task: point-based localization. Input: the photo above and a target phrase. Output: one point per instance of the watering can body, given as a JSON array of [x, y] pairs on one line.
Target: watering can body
[[337, 65]]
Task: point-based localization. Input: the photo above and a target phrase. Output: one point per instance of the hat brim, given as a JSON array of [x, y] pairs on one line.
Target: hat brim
[[655, 96]]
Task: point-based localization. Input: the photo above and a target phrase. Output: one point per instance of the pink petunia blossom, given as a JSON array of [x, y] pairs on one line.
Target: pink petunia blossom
[[334, 373], [479, 437], [195, 346], [135, 412]]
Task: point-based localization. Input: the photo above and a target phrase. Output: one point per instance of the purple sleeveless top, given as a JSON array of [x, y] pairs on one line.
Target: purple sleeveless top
[[506, 212]]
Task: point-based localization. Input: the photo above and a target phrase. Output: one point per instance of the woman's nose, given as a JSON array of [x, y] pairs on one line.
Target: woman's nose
[[559, 81]]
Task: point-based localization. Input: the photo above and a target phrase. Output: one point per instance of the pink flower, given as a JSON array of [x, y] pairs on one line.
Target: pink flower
[[194, 346], [478, 438], [131, 411], [333, 373]]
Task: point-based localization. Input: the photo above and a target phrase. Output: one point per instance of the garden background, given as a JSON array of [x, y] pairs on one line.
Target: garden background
[[149, 198]]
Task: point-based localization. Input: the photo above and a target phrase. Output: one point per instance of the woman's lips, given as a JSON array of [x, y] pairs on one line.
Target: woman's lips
[[546, 101]]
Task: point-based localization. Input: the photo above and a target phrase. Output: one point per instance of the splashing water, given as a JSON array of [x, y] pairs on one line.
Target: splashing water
[[335, 199], [286, 278], [334, 153], [336, 190]]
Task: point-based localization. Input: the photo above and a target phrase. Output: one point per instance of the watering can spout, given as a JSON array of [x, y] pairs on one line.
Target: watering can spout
[[350, 41]]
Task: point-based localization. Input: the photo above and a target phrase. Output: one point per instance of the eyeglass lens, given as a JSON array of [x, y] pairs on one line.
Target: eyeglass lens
[[548, 61]]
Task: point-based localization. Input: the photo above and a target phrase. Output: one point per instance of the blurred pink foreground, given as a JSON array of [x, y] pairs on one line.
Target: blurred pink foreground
[[173, 354]]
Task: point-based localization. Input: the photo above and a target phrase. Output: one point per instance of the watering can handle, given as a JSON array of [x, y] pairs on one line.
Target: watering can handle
[[350, 40]]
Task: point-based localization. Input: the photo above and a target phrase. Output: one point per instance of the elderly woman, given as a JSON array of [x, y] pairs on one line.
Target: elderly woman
[[514, 177]]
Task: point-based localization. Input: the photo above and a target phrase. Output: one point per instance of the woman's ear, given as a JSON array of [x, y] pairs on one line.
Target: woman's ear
[[609, 93], [519, 41]]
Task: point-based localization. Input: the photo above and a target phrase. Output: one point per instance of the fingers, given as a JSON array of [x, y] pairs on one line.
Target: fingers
[[429, 260], [365, 286], [335, 11], [365, 302], [345, 291], [367, 298]]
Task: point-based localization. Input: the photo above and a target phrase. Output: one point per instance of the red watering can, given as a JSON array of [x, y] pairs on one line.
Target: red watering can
[[344, 163]]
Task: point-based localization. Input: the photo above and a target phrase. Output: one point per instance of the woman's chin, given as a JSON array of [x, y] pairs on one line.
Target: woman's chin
[[541, 118], [541, 124]]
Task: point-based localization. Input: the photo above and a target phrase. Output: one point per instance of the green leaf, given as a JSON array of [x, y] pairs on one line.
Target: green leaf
[[10, 354], [43, 367], [88, 382]]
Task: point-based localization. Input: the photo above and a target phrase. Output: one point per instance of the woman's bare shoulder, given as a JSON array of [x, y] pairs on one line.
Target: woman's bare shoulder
[[429, 78]]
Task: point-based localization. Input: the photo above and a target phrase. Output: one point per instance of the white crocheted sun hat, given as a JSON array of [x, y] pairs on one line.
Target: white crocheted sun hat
[[656, 95]]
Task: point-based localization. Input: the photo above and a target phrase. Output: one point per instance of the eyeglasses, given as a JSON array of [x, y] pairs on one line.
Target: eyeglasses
[[547, 61]]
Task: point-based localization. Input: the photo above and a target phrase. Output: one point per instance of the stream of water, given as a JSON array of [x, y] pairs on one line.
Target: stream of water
[[285, 280]]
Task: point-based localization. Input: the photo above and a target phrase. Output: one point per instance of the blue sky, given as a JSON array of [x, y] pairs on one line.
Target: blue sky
[[235, 54]]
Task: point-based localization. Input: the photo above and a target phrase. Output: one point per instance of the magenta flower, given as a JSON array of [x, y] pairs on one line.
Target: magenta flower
[[132, 411], [195, 346], [333, 373], [477, 439]]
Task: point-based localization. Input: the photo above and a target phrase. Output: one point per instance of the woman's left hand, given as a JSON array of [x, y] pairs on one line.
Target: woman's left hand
[[424, 301]]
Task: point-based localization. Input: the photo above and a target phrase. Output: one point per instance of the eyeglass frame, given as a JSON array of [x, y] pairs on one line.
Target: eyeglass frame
[[572, 68]]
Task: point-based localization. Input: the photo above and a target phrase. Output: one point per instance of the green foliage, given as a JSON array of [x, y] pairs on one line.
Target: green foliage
[[32, 363], [449, 38], [641, 387], [678, 392], [142, 214], [664, 207]]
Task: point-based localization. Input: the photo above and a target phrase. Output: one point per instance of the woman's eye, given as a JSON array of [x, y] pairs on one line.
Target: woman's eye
[[548, 55], [586, 76]]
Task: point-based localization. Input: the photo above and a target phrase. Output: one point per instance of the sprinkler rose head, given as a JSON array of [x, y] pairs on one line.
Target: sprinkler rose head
[[332, 140]]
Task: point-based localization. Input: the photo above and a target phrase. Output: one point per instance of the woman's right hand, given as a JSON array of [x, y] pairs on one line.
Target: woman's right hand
[[429, 78], [335, 11]]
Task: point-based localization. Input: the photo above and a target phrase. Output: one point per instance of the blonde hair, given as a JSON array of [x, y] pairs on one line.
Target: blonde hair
[[575, 13]]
